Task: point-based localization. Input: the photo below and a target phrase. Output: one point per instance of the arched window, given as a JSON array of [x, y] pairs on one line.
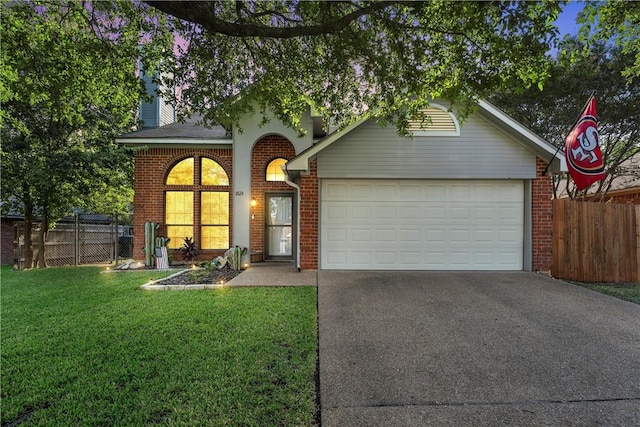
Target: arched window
[[210, 229], [274, 170]]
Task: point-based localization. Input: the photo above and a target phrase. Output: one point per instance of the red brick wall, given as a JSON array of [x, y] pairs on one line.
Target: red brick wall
[[151, 169], [6, 238], [267, 148], [541, 219], [309, 218], [630, 198], [542, 243], [152, 166]]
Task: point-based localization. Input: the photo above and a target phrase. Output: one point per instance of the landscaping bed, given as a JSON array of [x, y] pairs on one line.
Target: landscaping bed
[[201, 276]]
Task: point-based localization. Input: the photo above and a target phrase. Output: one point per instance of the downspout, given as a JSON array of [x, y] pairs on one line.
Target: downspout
[[297, 187]]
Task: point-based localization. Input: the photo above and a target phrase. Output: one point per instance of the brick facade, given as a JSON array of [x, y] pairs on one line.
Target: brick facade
[[309, 218], [625, 196], [541, 219], [541, 195], [151, 169], [6, 239], [153, 165], [266, 149]]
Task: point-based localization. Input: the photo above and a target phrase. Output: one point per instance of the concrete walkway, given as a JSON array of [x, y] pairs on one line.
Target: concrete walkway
[[474, 349], [274, 274]]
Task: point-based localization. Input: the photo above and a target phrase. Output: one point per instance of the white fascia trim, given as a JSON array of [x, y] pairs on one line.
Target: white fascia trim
[[174, 141], [522, 130], [301, 161]]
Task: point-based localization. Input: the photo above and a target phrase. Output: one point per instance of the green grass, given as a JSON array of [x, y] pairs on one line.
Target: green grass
[[84, 348], [625, 291]]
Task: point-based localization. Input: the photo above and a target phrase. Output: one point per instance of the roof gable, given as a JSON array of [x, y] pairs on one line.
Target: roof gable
[[530, 141]]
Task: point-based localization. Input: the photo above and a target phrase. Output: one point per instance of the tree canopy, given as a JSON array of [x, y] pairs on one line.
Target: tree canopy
[[574, 76], [68, 87], [617, 21], [350, 58]]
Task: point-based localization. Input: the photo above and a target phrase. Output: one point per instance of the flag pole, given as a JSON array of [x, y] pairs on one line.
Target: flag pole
[[593, 94]]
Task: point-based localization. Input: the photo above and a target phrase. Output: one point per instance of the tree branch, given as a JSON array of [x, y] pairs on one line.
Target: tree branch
[[204, 14]]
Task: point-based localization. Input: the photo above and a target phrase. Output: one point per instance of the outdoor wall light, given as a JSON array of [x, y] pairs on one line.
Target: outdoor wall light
[[254, 202]]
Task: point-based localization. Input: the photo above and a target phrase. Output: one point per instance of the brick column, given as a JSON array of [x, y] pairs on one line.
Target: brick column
[[541, 218], [309, 219]]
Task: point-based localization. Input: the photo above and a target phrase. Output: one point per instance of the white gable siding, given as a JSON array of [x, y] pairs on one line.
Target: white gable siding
[[481, 151]]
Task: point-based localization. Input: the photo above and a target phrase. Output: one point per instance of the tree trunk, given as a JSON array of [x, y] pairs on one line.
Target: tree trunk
[[42, 238], [28, 229]]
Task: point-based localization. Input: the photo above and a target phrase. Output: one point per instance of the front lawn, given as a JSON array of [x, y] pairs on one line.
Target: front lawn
[[84, 348], [625, 291]]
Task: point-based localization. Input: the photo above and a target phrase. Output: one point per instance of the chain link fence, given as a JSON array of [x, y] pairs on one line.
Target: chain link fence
[[80, 240]]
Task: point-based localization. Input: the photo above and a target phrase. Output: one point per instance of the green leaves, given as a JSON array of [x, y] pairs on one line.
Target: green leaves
[[387, 55], [69, 86], [615, 20], [574, 75]]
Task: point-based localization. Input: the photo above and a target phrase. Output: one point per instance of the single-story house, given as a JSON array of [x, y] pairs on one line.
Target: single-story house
[[630, 195], [626, 188], [454, 197]]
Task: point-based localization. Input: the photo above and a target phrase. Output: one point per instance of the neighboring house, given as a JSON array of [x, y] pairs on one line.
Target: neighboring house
[[624, 195], [626, 189], [455, 197], [7, 235]]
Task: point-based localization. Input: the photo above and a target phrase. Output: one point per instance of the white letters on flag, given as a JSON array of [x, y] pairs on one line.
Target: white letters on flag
[[582, 149]]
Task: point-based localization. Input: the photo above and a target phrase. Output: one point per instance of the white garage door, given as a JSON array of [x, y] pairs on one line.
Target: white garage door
[[422, 225]]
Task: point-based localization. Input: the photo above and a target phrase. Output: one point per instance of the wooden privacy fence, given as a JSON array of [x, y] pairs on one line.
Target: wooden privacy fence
[[77, 240], [596, 242]]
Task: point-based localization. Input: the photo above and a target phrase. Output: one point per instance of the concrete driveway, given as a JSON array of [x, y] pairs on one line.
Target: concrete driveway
[[469, 349]]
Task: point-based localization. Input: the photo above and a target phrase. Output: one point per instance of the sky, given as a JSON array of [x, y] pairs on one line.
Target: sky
[[566, 22]]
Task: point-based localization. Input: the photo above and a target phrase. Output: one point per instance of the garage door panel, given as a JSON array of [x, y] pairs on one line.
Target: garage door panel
[[423, 225], [361, 258], [386, 213], [336, 257], [361, 235], [336, 212], [411, 235], [410, 212], [337, 235], [360, 212]]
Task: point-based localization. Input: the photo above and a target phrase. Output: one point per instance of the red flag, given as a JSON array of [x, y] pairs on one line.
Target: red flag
[[582, 149]]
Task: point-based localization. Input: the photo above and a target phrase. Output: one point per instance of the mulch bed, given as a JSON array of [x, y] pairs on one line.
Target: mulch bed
[[202, 276]]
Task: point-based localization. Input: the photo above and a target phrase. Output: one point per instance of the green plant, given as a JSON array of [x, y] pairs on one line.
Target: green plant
[[149, 241], [189, 250], [162, 241], [235, 255]]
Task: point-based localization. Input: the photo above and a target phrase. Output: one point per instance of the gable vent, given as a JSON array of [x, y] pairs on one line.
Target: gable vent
[[441, 123]]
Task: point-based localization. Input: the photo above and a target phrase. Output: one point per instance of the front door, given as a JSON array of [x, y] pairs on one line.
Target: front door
[[280, 232]]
